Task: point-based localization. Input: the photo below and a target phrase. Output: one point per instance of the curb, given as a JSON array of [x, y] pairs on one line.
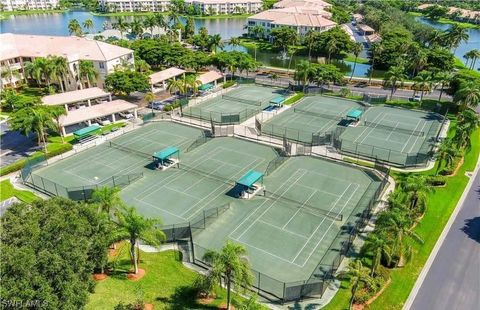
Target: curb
[[418, 284]]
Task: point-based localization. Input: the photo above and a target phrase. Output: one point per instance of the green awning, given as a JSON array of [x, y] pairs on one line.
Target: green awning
[[354, 113], [165, 153], [206, 86], [81, 133], [278, 100], [250, 178]]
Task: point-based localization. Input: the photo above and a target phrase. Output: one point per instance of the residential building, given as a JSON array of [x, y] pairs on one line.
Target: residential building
[[205, 6], [303, 3], [12, 5], [17, 49]]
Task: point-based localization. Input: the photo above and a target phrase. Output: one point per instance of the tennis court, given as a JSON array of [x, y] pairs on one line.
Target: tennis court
[[398, 136], [313, 115], [236, 105], [294, 226], [104, 161]]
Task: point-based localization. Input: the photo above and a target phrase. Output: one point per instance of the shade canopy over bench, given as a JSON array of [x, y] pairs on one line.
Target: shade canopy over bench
[[250, 178], [354, 114], [87, 131], [278, 100], [165, 154]]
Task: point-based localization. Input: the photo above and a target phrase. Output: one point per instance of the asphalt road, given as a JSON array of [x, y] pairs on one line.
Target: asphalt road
[[453, 280]]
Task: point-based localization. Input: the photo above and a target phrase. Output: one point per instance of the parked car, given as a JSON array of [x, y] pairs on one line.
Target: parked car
[[416, 98], [104, 121], [126, 115], [156, 105]]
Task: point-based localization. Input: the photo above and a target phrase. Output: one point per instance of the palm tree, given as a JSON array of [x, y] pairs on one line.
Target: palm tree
[[136, 27], [120, 25], [176, 85], [192, 82], [394, 75], [8, 74], [332, 48], [468, 95], [234, 42], [150, 22], [142, 66], [475, 55], [375, 50], [456, 35], [257, 31], [160, 21], [467, 122], [56, 112], [446, 153], [150, 97], [376, 243], [357, 275], [417, 188], [357, 48], [108, 199], [88, 24], [87, 72], [423, 83], [60, 70], [74, 27], [303, 73], [309, 39], [33, 69], [135, 228], [230, 262], [418, 60], [215, 42], [443, 78]]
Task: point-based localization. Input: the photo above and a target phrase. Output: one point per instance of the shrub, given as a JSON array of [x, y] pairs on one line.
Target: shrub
[[362, 296], [228, 84], [203, 286], [438, 180]]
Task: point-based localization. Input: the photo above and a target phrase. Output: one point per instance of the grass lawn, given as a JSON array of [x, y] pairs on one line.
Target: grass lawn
[[444, 20], [7, 190], [6, 14], [294, 98], [166, 284], [360, 60], [440, 206]]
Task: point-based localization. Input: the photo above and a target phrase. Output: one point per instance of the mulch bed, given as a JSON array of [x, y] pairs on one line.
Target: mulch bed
[[224, 307], [135, 277], [99, 276]]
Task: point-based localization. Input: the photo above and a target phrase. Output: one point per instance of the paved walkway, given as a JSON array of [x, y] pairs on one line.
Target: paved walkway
[[451, 278]]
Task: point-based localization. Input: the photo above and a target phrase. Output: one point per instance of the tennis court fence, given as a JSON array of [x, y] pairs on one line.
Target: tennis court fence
[[221, 118]]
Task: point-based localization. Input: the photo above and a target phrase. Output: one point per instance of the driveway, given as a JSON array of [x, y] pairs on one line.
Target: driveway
[[14, 146]]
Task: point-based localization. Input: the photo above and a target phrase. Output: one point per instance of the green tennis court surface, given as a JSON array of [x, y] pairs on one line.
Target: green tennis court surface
[[398, 136], [312, 115], [236, 105], [294, 225]]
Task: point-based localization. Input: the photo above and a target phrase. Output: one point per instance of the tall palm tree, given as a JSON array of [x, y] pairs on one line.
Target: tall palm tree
[[446, 153], [467, 122], [88, 25], [136, 27], [357, 48], [142, 66], [33, 69], [215, 43], [108, 199], [230, 262], [234, 42], [396, 74], [303, 73], [375, 51], [121, 25], [332, 48], [176, 85], [149, 98], [74, 27], [475, 56], [8, 74], [456, 35], [149, 23], [418, 60], [357, 274], [160, 21], [443, 78], [60, 70], [468, 95], [378, 246], [56, 112], [417, 187], [135, 228], [423, 83], [193, 83], [87, 72]]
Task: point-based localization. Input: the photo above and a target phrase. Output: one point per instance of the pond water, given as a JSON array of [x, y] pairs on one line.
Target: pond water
[[472, 43], [57, 24]]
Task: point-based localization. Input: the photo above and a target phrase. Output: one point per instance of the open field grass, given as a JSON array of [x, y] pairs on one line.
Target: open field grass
[[7, 191]]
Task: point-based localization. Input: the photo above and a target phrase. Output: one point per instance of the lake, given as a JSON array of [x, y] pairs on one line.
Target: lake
[[57, 23], [464, 47]]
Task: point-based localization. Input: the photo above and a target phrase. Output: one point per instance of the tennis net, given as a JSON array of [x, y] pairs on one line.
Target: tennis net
[[391, 128], [251, 102], [312, 210], [203, 173], [328, 116], [129, 150]]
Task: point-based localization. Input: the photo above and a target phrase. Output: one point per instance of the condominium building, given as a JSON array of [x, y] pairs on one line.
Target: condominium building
[[16, 50], [12, 5], [301, 15], [205, 6]]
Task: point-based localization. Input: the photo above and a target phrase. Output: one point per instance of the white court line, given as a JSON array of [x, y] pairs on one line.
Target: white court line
[[280, 228], [155, 207], [371, 131], [319, 225], [295, 214], [328, 229], [416, 139], [180, 192], [342, 182], [262, 250], [317, 190], [366, 128]]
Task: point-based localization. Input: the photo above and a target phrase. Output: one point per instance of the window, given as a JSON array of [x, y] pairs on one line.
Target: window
[[101, 64]]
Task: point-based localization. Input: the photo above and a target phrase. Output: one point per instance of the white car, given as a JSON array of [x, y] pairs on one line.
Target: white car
[[104, 121], [126, 115], [417, 98]]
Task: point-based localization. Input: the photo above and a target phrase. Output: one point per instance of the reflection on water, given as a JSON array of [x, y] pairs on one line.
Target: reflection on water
[[276, 60], [57, 24], [472, 43]]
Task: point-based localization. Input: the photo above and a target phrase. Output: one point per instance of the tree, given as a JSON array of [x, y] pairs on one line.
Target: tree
[[417, 187], [446, 153], [357, 275], [303, 73], [149, 22], [468, 95], [325, 74], [176, 85], [234, 42], [467, 123], [126, 82], [232, 263], [160, 21], [189, 28], [357, 48], [74, 27], [49, 250], [434, 12], [142, 66], [60, 70], [375, 51], [393, 76], [215, 42], [135, 228], [108, 199], [443, 78], [37, 118], [88, 25], [333, 43], [377, 245], [284, 37], [136, 27], [56, 112], [192, 82], [87, 72], [257, 31], [423, 83], [456, 35], [121, 25]]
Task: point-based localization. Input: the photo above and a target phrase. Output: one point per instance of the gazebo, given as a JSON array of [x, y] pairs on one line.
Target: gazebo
[[162, 157]]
